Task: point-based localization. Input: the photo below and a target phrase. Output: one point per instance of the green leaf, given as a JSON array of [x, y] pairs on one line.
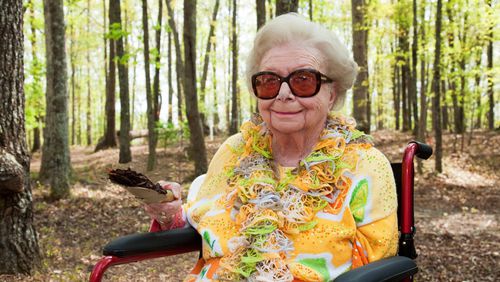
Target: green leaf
[[318, 265], [308, 226], [206, 237], [358, 200]]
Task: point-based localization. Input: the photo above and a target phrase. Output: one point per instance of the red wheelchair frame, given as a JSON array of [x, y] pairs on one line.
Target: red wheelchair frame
[[156, 243]]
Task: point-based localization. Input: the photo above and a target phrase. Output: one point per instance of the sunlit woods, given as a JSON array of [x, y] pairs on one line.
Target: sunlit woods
[[400, 51]]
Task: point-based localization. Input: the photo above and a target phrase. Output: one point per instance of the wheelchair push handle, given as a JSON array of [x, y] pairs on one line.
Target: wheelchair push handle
[[423, 151]]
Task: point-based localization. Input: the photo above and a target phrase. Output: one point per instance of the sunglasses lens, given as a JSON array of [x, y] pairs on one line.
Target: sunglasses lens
[[267, 85], [304, 83]]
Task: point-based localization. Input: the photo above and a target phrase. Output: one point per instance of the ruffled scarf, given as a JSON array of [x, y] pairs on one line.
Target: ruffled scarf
[[267, 202]]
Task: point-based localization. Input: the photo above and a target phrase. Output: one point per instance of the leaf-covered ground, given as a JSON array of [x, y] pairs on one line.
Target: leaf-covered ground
[[457, 213]]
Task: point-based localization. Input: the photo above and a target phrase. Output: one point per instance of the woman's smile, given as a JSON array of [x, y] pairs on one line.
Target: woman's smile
[[286, 113]]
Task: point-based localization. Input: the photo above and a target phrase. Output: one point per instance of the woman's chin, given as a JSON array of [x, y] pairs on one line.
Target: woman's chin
[[286, 127]]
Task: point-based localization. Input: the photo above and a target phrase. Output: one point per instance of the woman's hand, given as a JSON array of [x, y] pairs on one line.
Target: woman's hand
[[169, 213]]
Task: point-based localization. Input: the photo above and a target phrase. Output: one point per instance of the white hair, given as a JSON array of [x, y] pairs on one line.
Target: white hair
[[294, 29]]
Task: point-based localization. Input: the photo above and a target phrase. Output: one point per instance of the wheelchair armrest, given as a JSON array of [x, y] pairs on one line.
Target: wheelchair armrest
[[389, 269], [176, 240], [423, 151]]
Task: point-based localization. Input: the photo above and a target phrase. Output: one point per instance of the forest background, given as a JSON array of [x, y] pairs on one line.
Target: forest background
[[171, 74]]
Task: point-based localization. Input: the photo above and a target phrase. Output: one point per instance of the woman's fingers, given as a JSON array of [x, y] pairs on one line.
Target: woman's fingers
[[172, 186], [163, 212]]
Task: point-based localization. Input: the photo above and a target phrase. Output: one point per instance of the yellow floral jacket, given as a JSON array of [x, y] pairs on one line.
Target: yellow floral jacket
[[258, 234]]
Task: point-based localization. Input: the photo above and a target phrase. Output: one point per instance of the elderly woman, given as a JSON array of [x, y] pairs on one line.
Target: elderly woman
[[299, 194]]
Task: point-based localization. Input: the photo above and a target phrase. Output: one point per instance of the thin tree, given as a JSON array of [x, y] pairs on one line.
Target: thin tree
[[179, 62], [169, 78], [422, 122], [396, 89], [310, 10], [89, 91], [412, 91], [491, 96], [109, 139], [19, 251], [233, 128], [149, 95], [214, 86], [286, 6], [477, 88], [37, 75], [118, 34], [55, 165], [156, 80], [210, 38], [436, 100], [198, 152], [464, 55], [72, 58], [155, 114], [452, 79], [361, 109], [260, 9]]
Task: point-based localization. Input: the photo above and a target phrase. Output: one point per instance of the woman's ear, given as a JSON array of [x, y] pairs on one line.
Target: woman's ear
[[333, 96]]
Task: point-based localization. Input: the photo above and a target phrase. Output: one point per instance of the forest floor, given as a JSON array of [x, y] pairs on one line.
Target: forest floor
[[457, 212]]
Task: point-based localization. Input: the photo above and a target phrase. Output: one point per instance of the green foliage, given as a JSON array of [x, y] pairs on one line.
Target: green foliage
[[116, 32], [168, 134], [35, 95]]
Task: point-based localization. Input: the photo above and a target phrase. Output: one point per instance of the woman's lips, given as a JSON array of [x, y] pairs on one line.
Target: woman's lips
[[288, 113]]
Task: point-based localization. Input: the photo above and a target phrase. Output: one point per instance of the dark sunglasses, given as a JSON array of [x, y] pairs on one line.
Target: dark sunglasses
[[302, 82]]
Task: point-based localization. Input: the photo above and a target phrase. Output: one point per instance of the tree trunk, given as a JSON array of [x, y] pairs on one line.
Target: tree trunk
[[270, 7], [89, 92], [464, 56], [72, 56], [453, 70], [491, 96], [214, 85], [286, 6], [115, 21], [179, 62], [444, 114], [360, 90], [477, 90], [260, 10], [311, 10], [169, 79], [422, 122], [55, 164], [211, 32], [396, 94], [156, 98], [37, 80], [436, 100], [414, 59], [405, 77], [36, 138], [78, 112], [199, 153], [233, 128], [149, 95], [19, 252], [109, 139], [134, 83]]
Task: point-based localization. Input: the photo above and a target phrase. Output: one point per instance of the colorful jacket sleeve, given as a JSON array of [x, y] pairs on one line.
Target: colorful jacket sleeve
[[214, 184], [373, 205]]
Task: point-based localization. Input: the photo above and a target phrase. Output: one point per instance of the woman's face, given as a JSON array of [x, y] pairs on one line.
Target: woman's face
[[288, 114]]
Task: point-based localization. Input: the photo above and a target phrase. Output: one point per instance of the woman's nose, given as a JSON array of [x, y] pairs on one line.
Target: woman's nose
[[285, 93]]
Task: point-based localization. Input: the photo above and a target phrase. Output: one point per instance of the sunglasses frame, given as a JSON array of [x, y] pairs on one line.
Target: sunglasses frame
[[320, 78]]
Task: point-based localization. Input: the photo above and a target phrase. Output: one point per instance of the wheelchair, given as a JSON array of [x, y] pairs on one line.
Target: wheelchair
[[156, 243]]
